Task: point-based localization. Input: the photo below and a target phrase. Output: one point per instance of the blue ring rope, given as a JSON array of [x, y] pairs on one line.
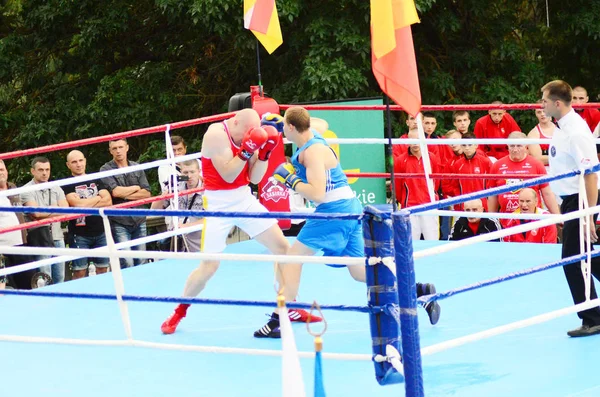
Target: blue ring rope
[[443, 295], [494, 191], [190, 301], [182, 213]]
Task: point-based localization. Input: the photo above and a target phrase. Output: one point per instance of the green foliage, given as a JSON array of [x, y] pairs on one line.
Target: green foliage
[[77, 69]]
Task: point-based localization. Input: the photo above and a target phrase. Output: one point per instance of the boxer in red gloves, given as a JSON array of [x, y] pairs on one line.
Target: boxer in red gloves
[[234, 153]]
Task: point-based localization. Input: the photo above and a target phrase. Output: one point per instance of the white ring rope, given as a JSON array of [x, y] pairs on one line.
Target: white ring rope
[[439, 347], [104, 252], [438, 141], [96, 175], [169, 346], [505, 232], [58, 259], [491, 215], [436, 348]]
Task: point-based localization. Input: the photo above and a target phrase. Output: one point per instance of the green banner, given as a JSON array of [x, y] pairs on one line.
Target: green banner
[[359, 157]]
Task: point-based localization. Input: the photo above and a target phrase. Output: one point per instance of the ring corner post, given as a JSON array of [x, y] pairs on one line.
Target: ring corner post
[[407, 299]]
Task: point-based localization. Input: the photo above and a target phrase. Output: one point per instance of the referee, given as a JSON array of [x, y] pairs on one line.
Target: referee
[[572, 147]]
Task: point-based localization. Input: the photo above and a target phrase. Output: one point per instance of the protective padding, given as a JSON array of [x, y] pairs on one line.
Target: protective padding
[[382, 290]]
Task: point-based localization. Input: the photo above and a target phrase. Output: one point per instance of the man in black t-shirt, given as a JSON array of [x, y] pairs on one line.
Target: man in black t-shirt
[[86, 231]]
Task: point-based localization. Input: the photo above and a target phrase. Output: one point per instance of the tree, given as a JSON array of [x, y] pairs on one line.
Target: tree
[[78, 69]]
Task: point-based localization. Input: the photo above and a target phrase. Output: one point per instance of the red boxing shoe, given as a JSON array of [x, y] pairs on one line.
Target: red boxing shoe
[[301, 316], [170, 324]]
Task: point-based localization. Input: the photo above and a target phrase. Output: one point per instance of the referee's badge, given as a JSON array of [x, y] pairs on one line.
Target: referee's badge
[[553, 151]]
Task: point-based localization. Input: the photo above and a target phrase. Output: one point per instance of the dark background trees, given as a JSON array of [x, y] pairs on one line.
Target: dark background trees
[[76, 69]]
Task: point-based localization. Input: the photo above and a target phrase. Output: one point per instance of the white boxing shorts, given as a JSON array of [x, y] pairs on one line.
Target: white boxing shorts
[[216, 230]]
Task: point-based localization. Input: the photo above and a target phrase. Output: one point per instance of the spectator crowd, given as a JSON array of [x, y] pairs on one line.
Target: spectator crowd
[[88, 231], [507, 165]]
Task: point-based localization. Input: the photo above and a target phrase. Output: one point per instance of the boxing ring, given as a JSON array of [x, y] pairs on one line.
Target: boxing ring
[[73, 338], [540, 360]]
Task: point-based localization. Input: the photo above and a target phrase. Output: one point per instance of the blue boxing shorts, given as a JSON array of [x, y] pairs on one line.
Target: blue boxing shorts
[[335, 237]]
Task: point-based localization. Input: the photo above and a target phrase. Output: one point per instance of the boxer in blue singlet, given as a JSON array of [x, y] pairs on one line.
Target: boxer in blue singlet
[[316, 174]]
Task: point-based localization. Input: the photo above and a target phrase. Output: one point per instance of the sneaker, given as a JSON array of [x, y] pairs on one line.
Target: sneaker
[[170, 324], [584, 330], [428, 289], [270, 329], [301, 316], [433, 310]]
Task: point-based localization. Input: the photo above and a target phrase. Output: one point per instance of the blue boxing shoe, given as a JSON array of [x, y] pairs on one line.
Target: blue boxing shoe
[[433, 309]]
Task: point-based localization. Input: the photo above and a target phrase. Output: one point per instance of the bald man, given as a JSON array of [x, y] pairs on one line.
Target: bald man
[[235, 152], [528, 200], [472, 226], [86, 232]]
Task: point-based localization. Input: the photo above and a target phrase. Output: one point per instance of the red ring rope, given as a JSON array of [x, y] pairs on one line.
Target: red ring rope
[[432, 108], [112, 137]]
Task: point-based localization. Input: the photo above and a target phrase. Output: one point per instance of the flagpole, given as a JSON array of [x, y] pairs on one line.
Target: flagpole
[[260, 87], [388, 114]]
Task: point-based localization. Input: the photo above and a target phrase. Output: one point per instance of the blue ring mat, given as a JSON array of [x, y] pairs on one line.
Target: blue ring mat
[[538, 360]]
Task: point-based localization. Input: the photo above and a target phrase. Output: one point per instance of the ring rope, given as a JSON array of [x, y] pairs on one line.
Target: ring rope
[[190, 348], [113, 137], [435, 108], [218, 117], [185, 300], [96, 175], [494, 191], [200, 214], [67, 254], [492, 215], [441, 175], [536, 269], [506, 232], [58, 259], [439, 347], [65, 218], [437, 142]]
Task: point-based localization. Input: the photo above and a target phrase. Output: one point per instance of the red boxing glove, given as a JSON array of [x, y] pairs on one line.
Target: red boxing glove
[[273, 137], [253, 139]]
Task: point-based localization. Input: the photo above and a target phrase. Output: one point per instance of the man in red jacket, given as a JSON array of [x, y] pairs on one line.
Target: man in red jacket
[[528, 199], [518, 162], [591, 116], [429, 126], [414, 191], [472, 161], [497, 124]]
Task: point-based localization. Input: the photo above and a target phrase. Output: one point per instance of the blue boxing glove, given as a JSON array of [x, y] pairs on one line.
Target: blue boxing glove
[[286, 174], [273, 119]]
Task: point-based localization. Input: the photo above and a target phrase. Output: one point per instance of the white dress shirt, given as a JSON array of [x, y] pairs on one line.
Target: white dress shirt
[[572, 147]]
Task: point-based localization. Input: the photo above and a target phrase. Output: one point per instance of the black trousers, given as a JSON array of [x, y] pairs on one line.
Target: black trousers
[[20, 280], [570, 247]]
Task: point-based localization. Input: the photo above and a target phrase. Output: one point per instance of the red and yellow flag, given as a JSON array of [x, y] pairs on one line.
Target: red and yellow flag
[[260, 16], [393, 53]]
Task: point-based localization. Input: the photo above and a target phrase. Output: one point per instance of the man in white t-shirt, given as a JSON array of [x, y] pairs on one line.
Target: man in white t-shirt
[[20, 280], [572, 147], [167, 177]]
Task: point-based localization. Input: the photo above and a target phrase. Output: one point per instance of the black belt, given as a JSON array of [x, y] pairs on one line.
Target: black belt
[[569, 195]]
